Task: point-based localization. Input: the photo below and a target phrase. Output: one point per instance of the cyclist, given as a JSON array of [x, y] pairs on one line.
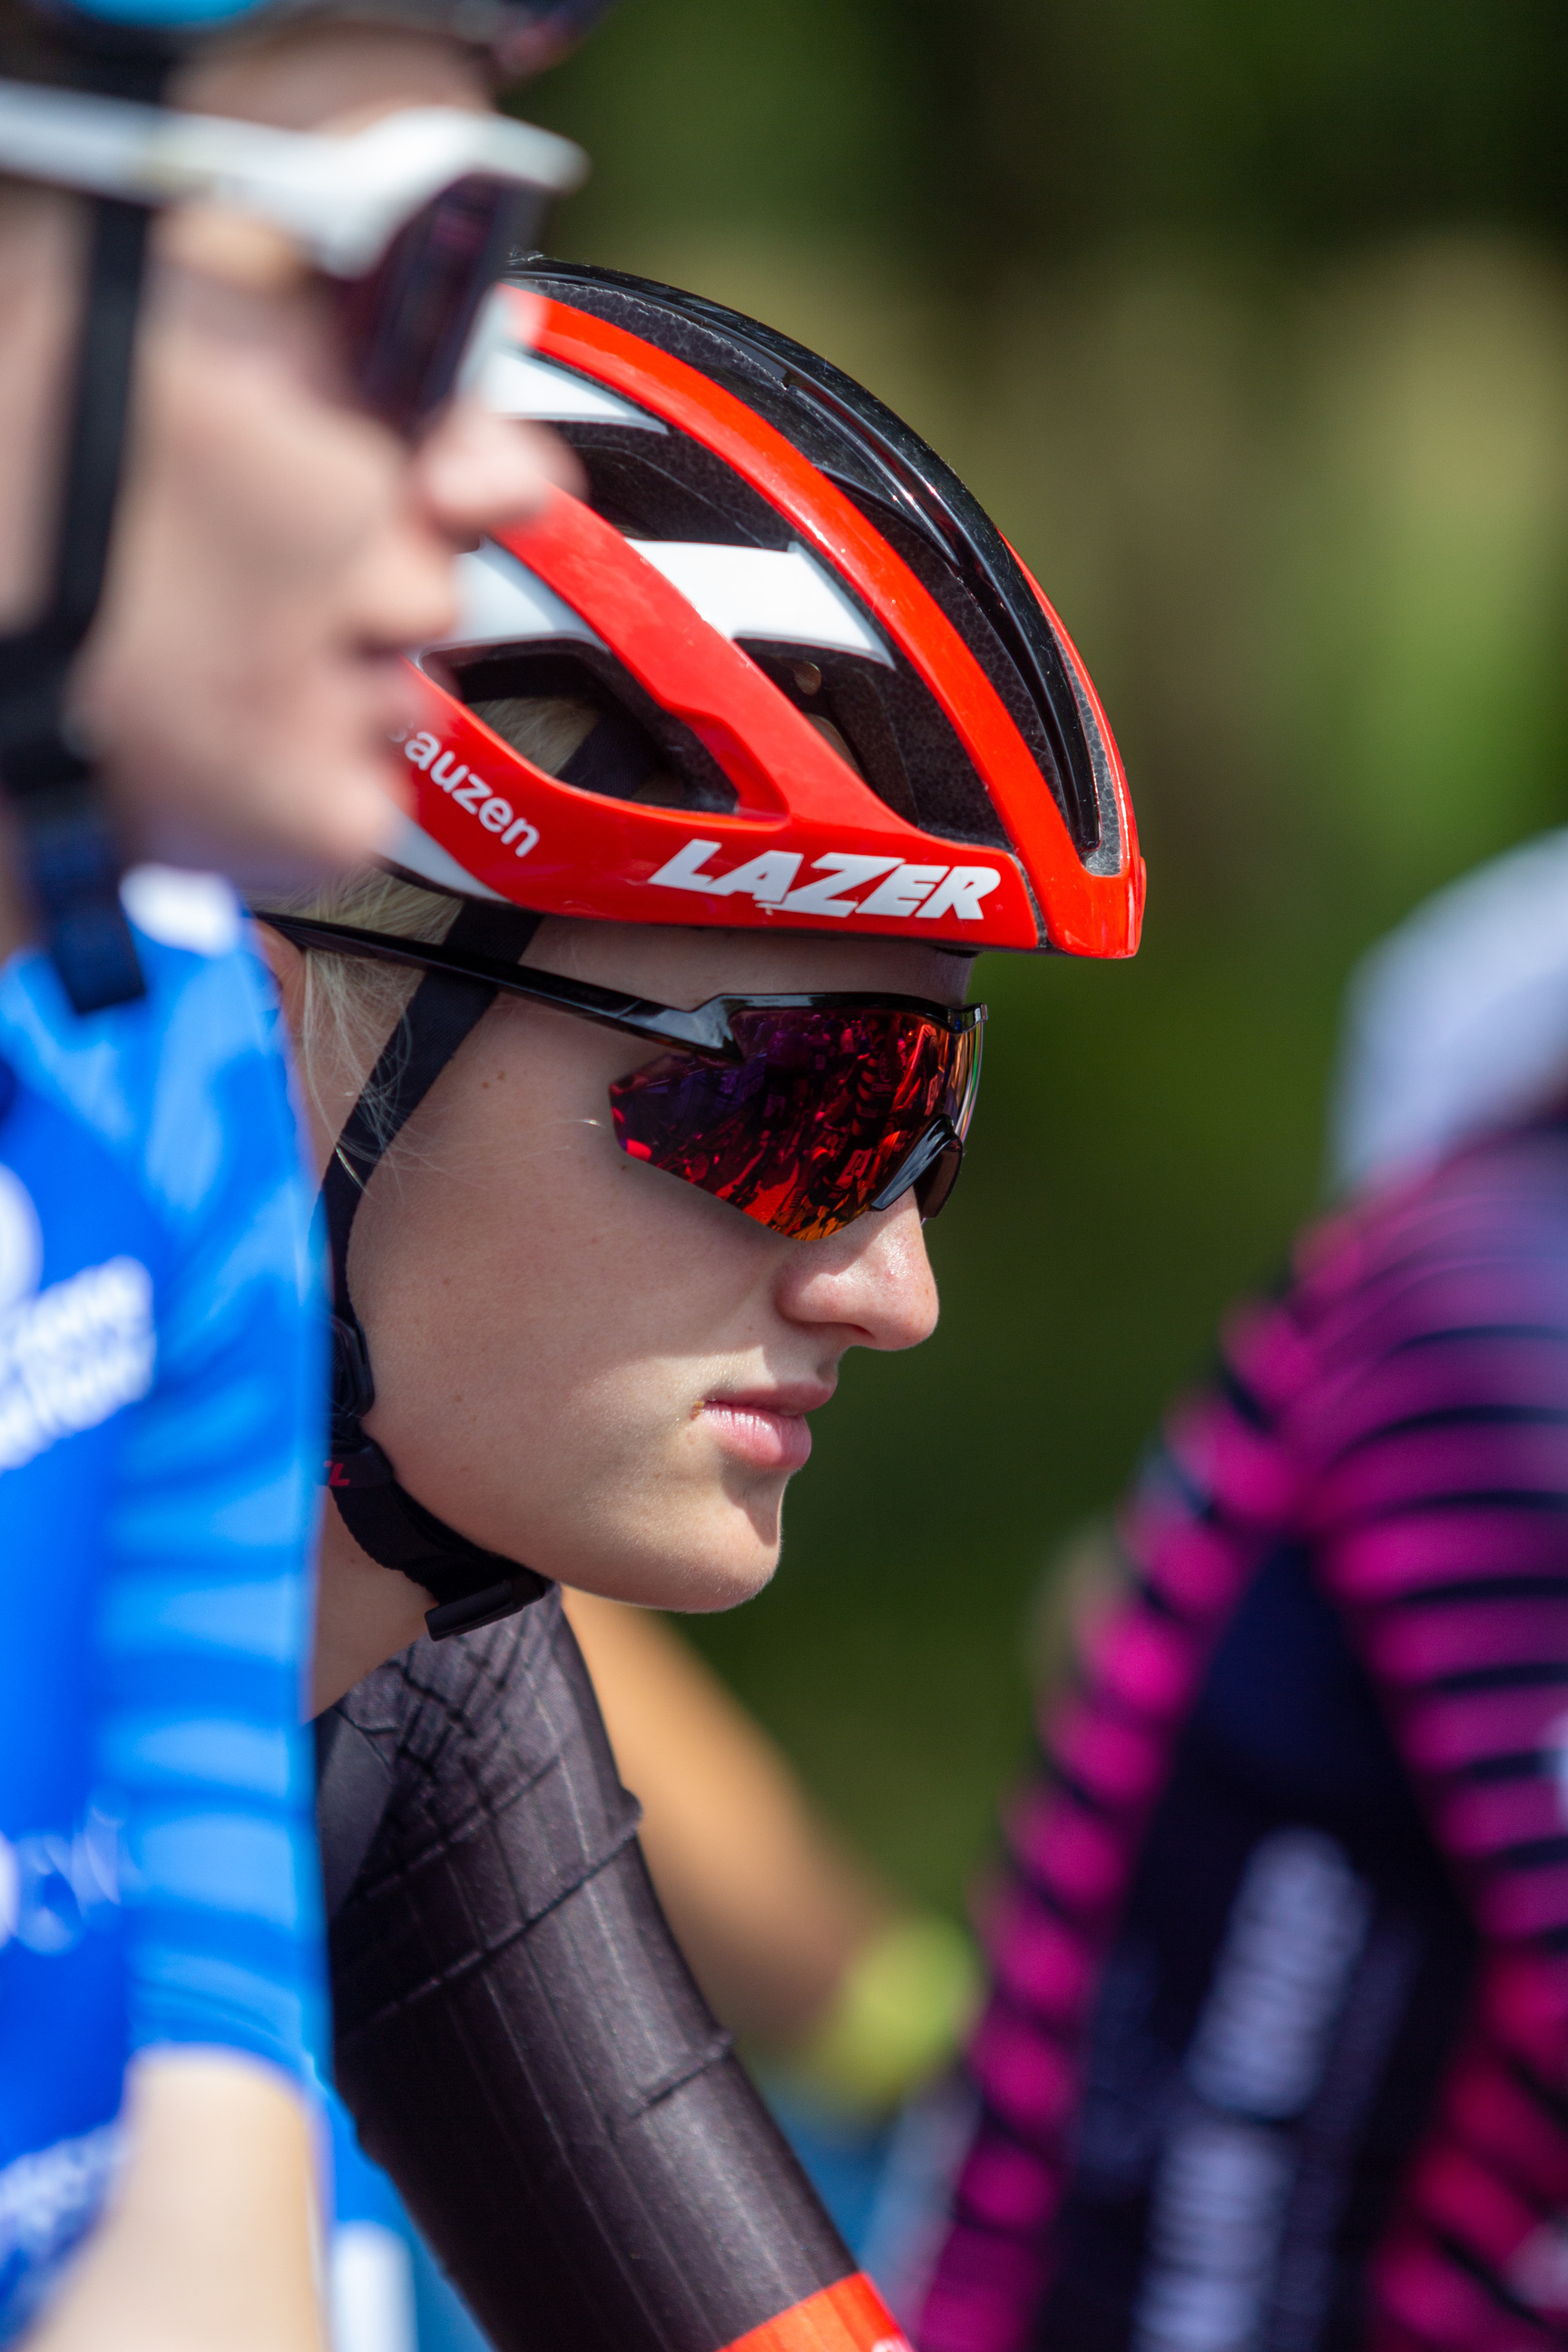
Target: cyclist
[[659, 1019], [1276, 2044], [214, 685]]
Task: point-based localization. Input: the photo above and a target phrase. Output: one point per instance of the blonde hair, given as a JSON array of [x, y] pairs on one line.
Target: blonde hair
[[350, 1006], [545, 728]]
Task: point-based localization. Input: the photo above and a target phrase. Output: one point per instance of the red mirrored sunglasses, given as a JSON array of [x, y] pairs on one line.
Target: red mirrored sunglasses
[[801, 1111]]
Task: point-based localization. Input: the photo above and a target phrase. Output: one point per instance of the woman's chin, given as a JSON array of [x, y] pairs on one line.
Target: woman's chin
[[697, 1578], [705, 1545], [705, 1596]]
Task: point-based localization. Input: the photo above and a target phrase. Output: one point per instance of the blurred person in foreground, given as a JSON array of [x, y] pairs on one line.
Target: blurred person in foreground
[[1277, 2047], [232, 482]]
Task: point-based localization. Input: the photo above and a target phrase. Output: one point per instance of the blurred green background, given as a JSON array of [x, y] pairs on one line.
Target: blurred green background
[[1249, 321]]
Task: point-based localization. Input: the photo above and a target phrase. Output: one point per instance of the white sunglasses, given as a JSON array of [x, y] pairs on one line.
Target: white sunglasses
[[414, 217]]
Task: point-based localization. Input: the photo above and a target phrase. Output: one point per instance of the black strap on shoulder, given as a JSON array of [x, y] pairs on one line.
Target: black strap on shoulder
[[472, 1587]]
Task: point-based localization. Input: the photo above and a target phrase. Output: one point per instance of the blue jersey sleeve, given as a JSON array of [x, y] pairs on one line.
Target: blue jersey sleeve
[[204, 1599], [206, 1619]]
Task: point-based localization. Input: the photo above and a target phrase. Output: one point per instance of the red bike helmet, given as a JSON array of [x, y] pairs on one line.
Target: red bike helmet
[[828, 691], [785, 673]]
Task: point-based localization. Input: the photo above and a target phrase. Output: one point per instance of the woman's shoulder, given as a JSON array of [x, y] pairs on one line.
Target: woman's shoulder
[[1487, 1220], [1443, 1299]]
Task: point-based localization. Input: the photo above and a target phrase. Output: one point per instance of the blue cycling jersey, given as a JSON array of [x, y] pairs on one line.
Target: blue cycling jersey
[[161, 1406]]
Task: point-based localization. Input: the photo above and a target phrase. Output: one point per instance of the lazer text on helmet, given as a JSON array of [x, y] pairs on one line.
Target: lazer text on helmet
[[901, 889]]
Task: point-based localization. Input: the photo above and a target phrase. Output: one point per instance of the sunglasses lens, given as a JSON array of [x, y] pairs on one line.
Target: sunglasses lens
[[408, 322], [805, 1133]]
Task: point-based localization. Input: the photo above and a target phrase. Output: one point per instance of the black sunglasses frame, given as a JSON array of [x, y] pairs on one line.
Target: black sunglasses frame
[[706, 1030], [929, 1167]]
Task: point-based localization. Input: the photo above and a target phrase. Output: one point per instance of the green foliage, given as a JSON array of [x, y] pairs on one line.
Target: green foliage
[[1021, 127], [1246, 319]]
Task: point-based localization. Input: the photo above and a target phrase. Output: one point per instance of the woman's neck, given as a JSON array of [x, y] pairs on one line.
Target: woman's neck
[[364, 1614]]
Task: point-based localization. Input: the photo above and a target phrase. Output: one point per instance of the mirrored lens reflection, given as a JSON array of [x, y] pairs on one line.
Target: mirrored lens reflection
[[802, 1134]]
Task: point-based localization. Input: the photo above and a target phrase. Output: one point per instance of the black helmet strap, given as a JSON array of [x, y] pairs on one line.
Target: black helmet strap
[[472, 1587], [67, 843]]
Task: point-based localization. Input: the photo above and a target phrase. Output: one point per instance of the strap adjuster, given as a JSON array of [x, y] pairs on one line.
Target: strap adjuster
[[353, 1382], [487, 1607]]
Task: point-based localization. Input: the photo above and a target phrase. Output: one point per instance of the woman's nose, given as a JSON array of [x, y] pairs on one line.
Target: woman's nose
[[873, 1277], [475, 471]]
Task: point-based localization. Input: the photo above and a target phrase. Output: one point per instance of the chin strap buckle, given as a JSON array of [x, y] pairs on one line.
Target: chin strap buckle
[[400, 1533], [486, 1607]]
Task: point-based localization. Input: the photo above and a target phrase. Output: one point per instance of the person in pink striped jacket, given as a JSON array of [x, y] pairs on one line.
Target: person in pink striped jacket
[[1276, 2052]]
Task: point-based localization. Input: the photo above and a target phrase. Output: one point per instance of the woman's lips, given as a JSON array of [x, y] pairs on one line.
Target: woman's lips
[[771, 1434]]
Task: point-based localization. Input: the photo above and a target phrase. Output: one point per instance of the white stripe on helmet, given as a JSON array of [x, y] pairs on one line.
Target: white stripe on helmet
[[514, 382], [761, 591], [408, 845], [503, 604]]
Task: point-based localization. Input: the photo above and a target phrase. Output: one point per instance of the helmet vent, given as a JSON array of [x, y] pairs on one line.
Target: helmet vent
[[918, 504], [896, 734], [672, 488], [557, 711]]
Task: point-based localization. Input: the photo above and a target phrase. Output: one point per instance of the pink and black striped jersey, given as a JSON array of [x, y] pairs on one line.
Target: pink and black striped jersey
[[1276, 2054]]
